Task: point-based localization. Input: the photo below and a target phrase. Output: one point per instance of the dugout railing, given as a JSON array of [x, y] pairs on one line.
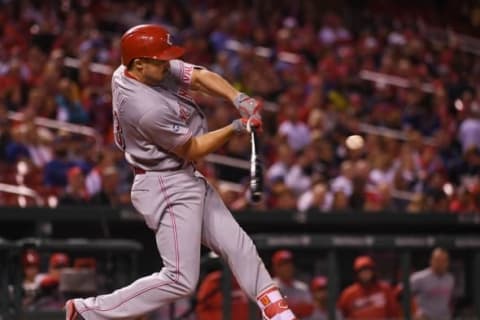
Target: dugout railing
[[120, 256], [6, 248], [417, 233]]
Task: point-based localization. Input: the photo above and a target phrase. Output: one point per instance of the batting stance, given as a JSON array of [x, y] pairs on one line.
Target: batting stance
[[162, 130]]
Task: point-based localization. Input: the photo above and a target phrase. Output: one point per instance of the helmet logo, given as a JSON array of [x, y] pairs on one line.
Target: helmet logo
[[169, 41]]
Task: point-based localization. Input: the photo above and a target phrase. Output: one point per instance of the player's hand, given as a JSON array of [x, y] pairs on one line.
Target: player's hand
[[245, 125], [247, 106]]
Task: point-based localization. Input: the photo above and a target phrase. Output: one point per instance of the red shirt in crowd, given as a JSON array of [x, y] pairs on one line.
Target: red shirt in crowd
[[373, 302], [210, 299]]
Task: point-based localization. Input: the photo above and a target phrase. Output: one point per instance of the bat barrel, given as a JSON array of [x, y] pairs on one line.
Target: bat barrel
[[256, 170]]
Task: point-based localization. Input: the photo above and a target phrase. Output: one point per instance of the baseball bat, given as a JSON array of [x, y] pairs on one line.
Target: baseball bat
[[256, 169]]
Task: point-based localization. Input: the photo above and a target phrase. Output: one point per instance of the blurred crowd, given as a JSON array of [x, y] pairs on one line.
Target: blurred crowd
[[303, 59]]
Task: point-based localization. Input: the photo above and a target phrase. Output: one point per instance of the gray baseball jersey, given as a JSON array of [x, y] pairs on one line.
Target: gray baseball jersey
[[151, 121], [176, 201], [433, 293]]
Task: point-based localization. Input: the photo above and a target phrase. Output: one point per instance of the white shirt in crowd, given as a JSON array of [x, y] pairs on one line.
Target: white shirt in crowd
[[469, 133], [306, 202], [343, 184], [278, 170], [297, 180], [298, 134]]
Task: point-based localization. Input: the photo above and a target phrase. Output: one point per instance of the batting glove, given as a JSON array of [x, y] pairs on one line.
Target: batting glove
[[246, 105], [243, 124]]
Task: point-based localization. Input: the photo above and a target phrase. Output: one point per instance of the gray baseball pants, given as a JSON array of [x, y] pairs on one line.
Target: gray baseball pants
[[185, 212]]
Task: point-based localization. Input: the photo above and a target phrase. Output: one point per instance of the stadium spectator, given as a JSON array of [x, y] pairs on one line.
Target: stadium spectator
[[68, 103], [282, 197], [284, 160], [433, 288], [300, 176], [368, 297], [318, 289], [55, 171], [295, 132], [16, 149], [109, 193], [343, 183], [49, 295], [76, 191], [295, 291], [318, 197], [36, 140], [469, 129], [31, 276]]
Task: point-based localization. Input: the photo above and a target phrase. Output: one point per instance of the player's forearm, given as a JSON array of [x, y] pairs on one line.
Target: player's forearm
[[213, 84], [200, 146]]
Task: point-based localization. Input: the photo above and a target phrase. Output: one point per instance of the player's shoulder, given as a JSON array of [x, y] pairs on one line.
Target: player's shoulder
[[450, 277], [421, 274], [119, 70], [351, 290], [179, 63], [176, 63], [118, 74]]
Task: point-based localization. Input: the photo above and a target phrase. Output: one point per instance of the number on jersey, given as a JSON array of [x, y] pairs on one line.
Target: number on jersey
[[118, 132]]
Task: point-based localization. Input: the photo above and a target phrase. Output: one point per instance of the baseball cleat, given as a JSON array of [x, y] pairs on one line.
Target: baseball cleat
[[71, 311]]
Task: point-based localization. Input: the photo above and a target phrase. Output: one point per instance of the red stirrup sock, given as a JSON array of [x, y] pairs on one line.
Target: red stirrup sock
[[274, 306]]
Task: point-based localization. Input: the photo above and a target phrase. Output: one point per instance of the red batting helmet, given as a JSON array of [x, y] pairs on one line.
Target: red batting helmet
[[281, 256], [362, 262], [148, 41], [319, 282], [59, 260]]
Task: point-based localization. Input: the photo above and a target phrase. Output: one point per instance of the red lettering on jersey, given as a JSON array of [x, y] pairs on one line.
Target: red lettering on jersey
[[374, 300], [187, 74], [184, 112], [184, 93]]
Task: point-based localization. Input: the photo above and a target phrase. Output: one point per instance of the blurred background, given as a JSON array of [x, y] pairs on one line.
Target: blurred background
[[371, 148]]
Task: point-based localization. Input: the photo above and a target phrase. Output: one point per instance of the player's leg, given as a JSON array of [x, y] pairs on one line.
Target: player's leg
[[222, 233], [180, 199]]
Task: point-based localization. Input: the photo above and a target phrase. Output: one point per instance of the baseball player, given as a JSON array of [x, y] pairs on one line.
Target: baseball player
[[32, 276], [368, 298], [296, 291], [433, 288], [162, 131]]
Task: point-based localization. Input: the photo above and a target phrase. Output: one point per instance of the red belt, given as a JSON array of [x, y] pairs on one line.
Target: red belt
[[138, 170]]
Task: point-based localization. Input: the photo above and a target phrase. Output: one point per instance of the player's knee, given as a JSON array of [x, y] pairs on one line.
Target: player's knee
[[186, 287], [184, 283], [187, 283]]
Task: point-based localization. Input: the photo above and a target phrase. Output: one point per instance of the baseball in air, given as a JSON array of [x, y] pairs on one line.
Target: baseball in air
[[355, 142]]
